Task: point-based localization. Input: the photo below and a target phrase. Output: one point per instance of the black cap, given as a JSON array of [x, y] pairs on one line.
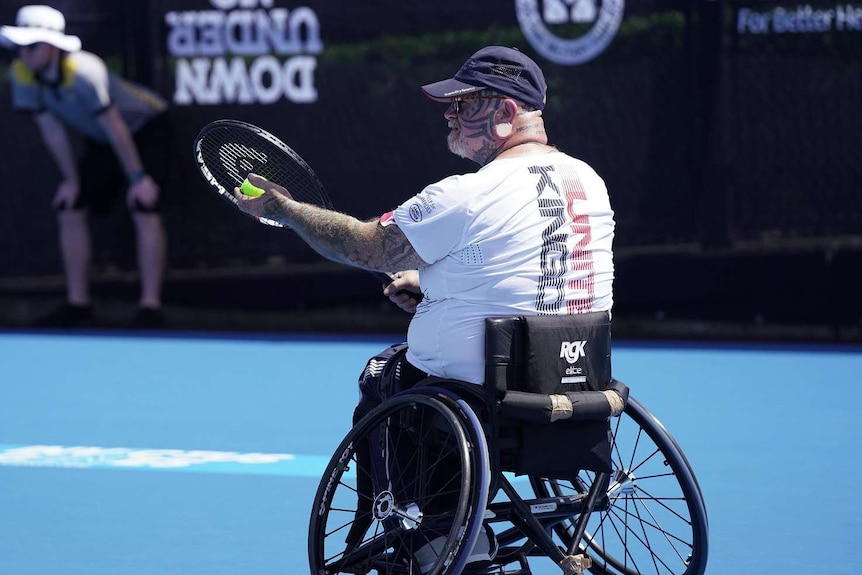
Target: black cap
[[505, 70]]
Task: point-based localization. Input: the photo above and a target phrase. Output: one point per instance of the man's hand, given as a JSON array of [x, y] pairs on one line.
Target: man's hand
[[404, 290], [144, 192], [266, 205]]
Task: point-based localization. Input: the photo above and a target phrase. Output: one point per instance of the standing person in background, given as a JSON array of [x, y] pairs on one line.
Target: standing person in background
[[125, 128]]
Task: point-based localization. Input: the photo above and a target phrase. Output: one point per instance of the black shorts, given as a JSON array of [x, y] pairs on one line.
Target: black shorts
[[103, 177]]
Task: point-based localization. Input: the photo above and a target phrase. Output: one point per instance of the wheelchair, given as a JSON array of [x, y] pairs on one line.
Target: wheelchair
[[551, 454]]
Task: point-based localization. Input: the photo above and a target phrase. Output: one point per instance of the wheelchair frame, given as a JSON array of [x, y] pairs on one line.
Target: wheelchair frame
[[380, 533]]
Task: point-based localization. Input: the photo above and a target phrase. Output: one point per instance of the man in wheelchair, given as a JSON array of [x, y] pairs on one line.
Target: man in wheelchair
[[529, 235]]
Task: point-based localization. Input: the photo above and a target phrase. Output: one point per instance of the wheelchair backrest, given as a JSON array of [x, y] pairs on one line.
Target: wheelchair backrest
[[548, 354], [531, 361]]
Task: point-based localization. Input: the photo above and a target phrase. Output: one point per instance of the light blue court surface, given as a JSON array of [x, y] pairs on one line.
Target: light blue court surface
[[169, 455]]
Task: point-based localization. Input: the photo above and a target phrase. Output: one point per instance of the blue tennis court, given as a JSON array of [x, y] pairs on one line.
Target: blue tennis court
[[200, 455]]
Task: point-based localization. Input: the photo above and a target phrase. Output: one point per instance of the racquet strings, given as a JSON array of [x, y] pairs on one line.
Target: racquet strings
[[231, 152], [231, 149]]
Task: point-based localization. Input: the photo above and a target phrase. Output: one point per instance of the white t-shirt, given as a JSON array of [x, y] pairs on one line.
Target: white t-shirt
[[526, 235]]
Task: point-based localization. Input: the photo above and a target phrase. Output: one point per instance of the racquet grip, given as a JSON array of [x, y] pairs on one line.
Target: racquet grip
[[383, 277], [387, 278]]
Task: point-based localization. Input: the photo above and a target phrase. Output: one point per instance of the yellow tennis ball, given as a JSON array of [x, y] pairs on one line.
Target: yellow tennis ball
[[250, 189]]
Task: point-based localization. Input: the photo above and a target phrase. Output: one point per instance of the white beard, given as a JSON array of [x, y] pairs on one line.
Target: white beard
[[457, 145]]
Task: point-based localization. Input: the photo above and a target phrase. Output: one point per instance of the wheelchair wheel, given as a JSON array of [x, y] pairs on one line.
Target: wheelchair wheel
[[403, 494], [652, 518]]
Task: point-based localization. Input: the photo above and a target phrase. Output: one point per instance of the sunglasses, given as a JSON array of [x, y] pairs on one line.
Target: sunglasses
[[456, 102]]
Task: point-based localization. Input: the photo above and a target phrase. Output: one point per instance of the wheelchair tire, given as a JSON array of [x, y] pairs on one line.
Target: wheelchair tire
[[427, 486], [653, 518]]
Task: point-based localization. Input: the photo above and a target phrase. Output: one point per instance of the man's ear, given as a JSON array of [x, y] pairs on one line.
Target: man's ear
[[504, 117]]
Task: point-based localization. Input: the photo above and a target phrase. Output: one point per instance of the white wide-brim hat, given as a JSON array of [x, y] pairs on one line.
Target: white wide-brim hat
[[39, 24]]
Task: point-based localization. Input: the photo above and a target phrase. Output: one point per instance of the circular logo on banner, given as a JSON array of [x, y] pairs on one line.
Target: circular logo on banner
[[604, 19]]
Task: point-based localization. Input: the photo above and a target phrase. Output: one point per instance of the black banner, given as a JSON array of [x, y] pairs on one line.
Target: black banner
[[721, 128]]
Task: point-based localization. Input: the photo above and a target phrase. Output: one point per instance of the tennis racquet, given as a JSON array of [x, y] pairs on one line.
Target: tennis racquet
[[226, 151]]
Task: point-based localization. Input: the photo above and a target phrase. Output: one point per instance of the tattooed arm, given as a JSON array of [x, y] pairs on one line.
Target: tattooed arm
[[333, 235]]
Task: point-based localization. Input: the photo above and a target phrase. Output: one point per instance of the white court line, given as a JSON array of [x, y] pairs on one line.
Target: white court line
[[195, 461]]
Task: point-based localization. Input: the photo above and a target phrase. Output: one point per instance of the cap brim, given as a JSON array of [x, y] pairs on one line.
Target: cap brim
[[21, 36], [446, 90]]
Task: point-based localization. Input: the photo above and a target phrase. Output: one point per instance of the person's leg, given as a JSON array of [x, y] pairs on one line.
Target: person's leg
[[74, 240], [76, 245], [377, 382], [151, 249], [153, 146], [75, 250]]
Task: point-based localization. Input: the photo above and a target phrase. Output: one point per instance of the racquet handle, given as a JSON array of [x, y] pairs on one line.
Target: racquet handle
[[383, 277], [387, 278]]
